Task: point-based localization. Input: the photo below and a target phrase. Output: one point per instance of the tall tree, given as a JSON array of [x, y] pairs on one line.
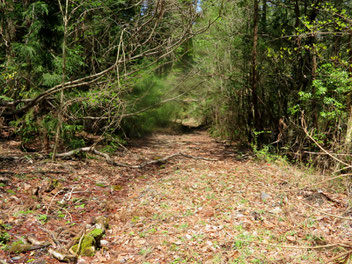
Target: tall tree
[[255, 81]]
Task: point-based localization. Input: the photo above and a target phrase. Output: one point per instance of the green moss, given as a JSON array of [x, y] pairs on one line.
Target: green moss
[[88, 251], [87, 247], [116, 187], [74, 248], [55, 182], [91, 240], [96, 233]]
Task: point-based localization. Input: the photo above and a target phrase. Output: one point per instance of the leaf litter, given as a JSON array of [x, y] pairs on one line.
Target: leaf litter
[[233, 210]]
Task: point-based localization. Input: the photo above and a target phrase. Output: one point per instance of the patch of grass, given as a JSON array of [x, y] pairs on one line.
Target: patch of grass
[[316, 240], [309, 222], [217, 259], [210, 196], [258, 260], [135, 219], [81, 206], [183, 226], [10, 191], [163, 216], [178, 260], [312, 256], [152, 230], [239, 227], [244, 201], [208, 189], [156, 216], [4, 238], [43, 218], [99, 184], [188, 213], [6, 226], [204, 176], [60, 214], [21, 176], [185, 178], [174, 247], [267, 155], [164, 205], [142, 234], [238, 244], [239, 260], [242, 240], [22, 212]]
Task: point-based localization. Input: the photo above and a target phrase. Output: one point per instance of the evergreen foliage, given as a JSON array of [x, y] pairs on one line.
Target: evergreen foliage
[[249, 69], [109, 59]]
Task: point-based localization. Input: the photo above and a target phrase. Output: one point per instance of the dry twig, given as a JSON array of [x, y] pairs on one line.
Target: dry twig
[[344, 255]]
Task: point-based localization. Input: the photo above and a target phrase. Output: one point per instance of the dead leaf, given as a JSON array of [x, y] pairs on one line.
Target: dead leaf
[[291, 238]]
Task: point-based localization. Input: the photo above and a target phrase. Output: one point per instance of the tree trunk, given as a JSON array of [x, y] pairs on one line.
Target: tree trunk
[[314, 76], [314, 66], [60, 113], [297, 14], [263, 17], [254, 84], [348, 138]]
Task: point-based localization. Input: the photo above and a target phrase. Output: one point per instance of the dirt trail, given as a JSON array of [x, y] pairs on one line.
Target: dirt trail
[[234, 210], [228, 211]]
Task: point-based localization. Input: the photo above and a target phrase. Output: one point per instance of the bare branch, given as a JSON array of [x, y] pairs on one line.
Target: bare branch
[[304, 126]]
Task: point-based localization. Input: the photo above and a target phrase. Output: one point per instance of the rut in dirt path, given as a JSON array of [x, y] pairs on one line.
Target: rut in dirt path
[[197, 144], [227, 211]]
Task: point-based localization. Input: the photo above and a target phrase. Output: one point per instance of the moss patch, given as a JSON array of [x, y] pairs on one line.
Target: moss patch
[[87, 242], [96, 233]]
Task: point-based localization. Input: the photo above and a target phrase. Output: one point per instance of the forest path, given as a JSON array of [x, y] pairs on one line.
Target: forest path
[[185, 210], [225, 211]]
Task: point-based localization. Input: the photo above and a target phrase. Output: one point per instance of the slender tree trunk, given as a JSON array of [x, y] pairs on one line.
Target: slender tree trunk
[[314, 76], [64, 13], [297, 14], [254, 83], [263, 17], [314, 66], [348, 138], [8, 33]]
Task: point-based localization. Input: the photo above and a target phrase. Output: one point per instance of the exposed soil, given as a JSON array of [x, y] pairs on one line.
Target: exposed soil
[[233, 210]]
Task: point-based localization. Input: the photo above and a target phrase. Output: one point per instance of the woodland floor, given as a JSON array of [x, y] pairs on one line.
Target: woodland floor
[[233, 210]]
